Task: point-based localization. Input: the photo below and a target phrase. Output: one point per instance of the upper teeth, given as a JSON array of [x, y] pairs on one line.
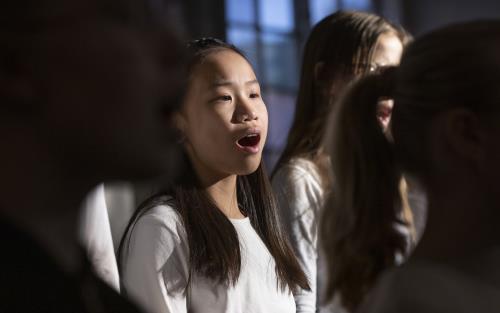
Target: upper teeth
[[252, 135]]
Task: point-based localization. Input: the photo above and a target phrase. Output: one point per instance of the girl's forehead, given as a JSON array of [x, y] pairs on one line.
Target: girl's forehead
[[387, 50], [226, 65], [223, 60]]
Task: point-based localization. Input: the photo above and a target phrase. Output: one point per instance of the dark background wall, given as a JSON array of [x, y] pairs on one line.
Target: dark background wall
[[205, 18], [423, 15]]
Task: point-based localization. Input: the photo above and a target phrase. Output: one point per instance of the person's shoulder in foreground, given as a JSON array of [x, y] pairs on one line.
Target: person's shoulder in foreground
[[32, 282], [420, 286], [87, 89]]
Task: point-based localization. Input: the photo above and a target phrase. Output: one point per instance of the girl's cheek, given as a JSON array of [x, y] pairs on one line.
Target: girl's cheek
[[262, 107], [265, 116]]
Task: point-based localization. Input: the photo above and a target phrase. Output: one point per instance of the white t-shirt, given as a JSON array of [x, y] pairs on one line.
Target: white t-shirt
[[300, 197], [95, 236], [156, 269]]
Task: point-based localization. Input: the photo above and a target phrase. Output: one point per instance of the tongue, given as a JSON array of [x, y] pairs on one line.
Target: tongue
[[249, 141]]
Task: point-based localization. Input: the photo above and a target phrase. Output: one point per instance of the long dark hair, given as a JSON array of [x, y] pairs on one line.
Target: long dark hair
[[213, 242], [450, 68], [343, 42]]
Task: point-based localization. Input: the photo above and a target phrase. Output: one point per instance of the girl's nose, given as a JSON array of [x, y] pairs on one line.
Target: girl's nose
[[247, 117]]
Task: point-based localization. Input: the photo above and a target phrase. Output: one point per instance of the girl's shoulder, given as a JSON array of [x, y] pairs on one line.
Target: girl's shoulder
[[161, 215], [299, 168], [298, 181], [424, 286], [302, 163]]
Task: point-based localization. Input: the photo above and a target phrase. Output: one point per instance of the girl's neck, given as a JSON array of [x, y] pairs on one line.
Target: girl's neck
[[468, 245], [220, 187], [223, 192], [458, 227]]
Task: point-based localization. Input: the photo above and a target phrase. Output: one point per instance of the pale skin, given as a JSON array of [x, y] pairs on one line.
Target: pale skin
[[387, 52], [223, 103]]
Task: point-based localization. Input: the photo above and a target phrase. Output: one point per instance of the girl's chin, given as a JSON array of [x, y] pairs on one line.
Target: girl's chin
[[249, 168]]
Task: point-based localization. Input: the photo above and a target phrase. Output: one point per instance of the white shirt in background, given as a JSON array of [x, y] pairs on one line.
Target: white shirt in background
[[300, 196], [156, 271], [95, 236]]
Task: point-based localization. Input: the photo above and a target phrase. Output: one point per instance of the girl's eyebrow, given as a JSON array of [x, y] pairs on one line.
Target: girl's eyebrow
[[251, 82], [222, 83]]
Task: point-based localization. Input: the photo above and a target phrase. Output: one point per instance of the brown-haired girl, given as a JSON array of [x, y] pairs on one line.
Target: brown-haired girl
[[214, 245]]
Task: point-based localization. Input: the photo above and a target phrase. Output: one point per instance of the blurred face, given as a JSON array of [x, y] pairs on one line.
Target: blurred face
[[387, 52], [224, 117], [109, 86]]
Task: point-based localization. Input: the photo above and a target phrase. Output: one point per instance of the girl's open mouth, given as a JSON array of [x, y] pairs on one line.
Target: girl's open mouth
[[249, 143]]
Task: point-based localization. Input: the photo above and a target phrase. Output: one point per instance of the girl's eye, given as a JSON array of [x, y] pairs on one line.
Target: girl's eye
[[254, 95], [224, 98]]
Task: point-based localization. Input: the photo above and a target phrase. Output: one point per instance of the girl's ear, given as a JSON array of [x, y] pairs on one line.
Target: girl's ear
[[464, 138], [318, 71], [180, 123]]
